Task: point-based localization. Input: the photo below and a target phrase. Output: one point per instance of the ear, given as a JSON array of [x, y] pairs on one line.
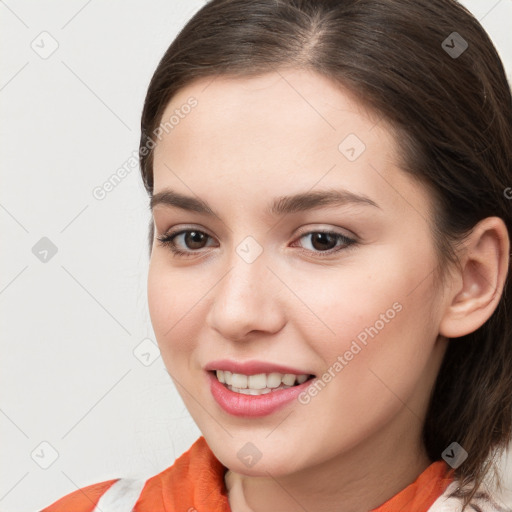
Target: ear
[[478, 283]]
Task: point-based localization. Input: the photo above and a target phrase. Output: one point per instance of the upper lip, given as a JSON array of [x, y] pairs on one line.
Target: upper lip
[[252, 367]]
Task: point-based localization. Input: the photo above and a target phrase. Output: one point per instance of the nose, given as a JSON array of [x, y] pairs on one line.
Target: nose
[[248, 299]]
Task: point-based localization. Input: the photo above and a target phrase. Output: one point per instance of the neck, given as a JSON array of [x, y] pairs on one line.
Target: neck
[[361, 479]]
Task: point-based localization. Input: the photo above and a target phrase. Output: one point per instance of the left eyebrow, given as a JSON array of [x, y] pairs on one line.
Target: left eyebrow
[[318, 199], [280, 206]]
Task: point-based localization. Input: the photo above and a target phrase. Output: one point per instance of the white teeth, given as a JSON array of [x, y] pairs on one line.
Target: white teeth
[[302, 378], [274, 380], [249, 391], [260, 383], [289, 379], [238, 380]]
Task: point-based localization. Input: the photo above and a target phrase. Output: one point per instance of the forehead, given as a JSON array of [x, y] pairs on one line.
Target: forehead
[[284, 129], [299, 100], [285, 113]]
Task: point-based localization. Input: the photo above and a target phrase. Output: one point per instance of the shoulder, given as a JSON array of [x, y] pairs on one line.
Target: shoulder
[[196, 477], [81, 500], [117, 495]]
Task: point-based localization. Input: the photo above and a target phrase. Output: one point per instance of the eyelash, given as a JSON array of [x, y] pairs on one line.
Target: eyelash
[[167, 240]]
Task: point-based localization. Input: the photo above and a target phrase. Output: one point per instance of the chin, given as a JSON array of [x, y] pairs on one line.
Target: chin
[[275, 463]]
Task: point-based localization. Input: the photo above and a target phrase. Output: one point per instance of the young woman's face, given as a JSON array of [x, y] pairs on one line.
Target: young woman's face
[[356, 307]]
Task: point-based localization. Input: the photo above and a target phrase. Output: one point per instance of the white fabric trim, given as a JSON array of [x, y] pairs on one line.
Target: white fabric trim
[[446, 504], [481, 502], [121, 496]]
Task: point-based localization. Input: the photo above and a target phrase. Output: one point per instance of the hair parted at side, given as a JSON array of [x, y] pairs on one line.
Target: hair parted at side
[[452, 118]]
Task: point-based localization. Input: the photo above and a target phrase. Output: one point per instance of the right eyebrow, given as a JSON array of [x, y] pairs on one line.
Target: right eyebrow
[[279, 206]]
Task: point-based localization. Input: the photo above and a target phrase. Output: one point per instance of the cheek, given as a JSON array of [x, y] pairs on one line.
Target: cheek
[[174, 304], [376, 293], [384, 334], [349, 303], [373, 310]]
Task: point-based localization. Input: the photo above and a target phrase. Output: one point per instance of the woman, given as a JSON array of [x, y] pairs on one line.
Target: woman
[[329, 184]]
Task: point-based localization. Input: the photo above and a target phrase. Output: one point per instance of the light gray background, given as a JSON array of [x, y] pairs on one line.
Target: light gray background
[[74, 375]]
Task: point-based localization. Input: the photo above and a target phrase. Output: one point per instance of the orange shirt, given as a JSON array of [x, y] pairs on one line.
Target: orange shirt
[[196, 481]]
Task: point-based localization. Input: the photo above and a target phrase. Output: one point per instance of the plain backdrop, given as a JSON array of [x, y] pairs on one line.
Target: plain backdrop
[[85, 396]]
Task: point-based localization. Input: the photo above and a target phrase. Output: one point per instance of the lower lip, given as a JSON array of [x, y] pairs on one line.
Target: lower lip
[[253, 406]]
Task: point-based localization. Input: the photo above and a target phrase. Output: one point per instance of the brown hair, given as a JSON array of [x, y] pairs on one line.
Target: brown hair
[[452, 116]]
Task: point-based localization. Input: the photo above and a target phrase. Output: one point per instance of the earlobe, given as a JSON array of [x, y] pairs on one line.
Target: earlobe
[[484, 263]]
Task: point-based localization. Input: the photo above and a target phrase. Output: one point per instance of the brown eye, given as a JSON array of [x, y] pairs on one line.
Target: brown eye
[[323, 241], [326, 242], [184, 242], [188, 242], [194, 239]]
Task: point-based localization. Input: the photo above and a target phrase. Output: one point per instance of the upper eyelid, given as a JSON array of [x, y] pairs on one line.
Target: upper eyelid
[[307, 231]]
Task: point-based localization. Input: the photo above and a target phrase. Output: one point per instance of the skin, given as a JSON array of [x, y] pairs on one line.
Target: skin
[[248, 141]]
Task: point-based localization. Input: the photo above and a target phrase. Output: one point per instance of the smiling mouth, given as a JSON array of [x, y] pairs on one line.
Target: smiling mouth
[[259, 384]]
